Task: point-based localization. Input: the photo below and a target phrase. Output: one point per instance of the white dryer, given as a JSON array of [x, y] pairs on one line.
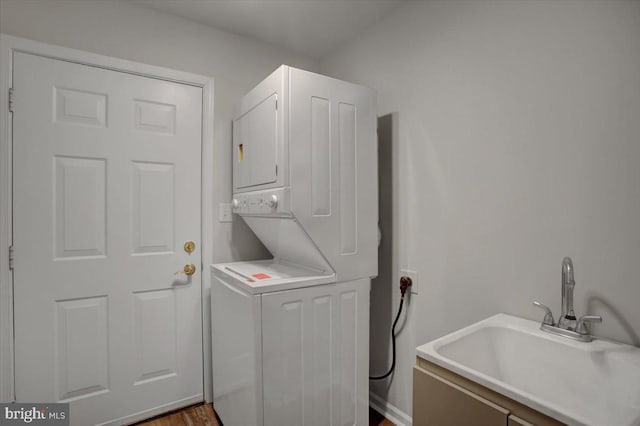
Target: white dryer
[[291, 334]]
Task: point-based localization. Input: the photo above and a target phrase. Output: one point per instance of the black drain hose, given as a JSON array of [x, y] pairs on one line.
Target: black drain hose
[[405, 283]]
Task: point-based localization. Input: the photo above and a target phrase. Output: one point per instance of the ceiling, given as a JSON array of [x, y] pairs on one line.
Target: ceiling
[[310, 27]]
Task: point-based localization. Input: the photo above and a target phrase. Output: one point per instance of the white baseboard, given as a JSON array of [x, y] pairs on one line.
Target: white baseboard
[[390, 411]]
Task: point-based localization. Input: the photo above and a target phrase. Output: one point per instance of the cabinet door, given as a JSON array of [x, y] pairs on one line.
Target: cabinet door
[[439, 402], [255, 137], [333, 154], [315, 355]]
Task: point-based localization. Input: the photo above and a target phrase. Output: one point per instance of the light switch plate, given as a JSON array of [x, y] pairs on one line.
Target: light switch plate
[[414, 279], [224, 213]]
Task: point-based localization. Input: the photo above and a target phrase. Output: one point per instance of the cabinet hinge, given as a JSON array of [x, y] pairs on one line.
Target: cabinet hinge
[[11, 258], [11, 99], [276, 104], [276, 170]]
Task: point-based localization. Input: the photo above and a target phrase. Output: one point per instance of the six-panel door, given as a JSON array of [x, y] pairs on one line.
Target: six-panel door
[[106, 191]]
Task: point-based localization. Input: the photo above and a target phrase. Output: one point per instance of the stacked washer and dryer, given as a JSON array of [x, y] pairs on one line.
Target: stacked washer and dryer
[[291, 334]]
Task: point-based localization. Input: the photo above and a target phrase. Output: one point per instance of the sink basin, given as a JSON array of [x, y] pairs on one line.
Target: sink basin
[[596, 383]]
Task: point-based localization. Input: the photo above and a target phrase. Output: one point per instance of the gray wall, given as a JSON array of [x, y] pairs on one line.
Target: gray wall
[[124, 30], [518, 143]]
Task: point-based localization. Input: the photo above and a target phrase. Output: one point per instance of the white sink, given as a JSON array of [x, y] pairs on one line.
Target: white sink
[[596, 383]]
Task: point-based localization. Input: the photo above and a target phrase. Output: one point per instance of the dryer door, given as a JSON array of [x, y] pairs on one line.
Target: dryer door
[[255, 136]]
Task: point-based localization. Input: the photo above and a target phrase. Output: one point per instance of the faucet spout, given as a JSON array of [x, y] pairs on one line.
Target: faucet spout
[[567, 316], [567, 270]]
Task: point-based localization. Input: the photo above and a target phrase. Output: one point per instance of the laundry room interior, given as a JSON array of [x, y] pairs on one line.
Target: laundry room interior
[[320, 212]]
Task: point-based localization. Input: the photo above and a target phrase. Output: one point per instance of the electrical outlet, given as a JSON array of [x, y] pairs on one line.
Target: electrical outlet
[[224, 212], [414, 279]]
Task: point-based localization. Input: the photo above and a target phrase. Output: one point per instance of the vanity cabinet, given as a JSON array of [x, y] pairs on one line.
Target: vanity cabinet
[[443, 398], [438, 402]]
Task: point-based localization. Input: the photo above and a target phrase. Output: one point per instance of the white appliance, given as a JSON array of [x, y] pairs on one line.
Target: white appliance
[[291, 334]]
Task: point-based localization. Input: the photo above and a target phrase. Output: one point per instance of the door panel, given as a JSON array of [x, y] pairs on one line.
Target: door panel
[[82, 335], [155, 334], [80, 203], [106, 191], [153, 200]]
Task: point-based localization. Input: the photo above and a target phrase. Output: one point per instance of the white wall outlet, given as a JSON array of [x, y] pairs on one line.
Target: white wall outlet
[[224, 212], [414, 279]]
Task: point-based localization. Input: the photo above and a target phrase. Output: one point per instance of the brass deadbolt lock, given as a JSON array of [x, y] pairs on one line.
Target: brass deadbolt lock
[[189, 246]]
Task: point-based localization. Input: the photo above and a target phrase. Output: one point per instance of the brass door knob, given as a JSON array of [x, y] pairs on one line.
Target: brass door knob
[[189, 269]]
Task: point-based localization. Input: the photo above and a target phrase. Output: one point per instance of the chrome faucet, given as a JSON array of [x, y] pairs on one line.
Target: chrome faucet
[[567, 325], [567, 315]]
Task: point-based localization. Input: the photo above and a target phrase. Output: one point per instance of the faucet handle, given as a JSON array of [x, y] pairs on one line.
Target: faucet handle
[[581, 327], [548, 318]]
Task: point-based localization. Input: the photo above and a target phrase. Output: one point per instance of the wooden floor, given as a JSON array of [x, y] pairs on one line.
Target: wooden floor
[[200, 414], [203, 414], [376, 419]]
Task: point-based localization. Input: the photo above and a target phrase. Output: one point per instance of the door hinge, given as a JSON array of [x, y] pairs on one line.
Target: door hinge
[[11, 258], [276, 104], [276, 170], [11, 99]]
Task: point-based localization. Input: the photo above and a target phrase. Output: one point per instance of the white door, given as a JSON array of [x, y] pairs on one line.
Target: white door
[[106, 172]]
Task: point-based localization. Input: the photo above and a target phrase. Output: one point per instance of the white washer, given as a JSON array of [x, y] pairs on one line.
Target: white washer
[[288, 349], [291, 334]]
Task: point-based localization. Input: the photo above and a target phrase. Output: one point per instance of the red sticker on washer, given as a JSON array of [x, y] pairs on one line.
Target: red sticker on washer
[[261, 276]]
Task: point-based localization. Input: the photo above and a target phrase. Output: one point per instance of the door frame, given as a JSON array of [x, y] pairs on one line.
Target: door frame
[[9, 45]]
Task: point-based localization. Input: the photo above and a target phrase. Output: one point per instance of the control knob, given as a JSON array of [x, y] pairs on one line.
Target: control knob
[[273, 202]]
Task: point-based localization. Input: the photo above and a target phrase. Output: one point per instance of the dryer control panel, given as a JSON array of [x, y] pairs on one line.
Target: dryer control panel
[[272, 202]]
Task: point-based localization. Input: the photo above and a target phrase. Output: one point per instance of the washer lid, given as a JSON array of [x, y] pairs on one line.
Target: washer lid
[[265, 276]]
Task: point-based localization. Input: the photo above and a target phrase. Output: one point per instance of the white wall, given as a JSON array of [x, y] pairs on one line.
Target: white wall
[[518, 143], [124, 30]]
